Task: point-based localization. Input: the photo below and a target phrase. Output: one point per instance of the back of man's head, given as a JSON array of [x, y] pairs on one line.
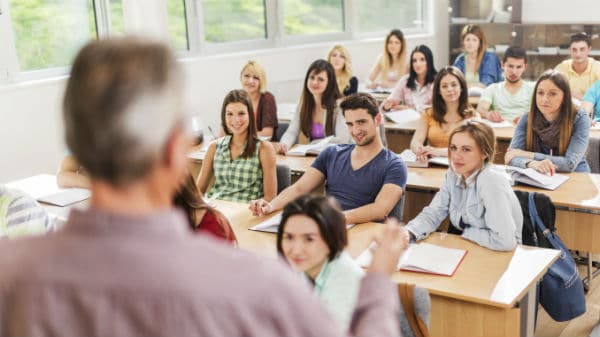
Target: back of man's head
[[360, 101], [121, 104], [581, 37], [515, 52]]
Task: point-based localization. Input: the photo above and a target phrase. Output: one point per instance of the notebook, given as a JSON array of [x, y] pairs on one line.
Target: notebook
[[423, 258], [410, 159], [406, 117], [532, 177], [43, 187], [314, 148], [271, 225]]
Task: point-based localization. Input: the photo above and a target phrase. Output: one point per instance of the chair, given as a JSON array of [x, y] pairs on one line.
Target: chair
[[281, 128], [398, 210], [593, 154], [284, 177], [383, 135], [422, 308]]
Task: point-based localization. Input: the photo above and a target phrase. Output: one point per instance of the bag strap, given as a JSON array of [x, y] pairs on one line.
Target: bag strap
[[417, 325], [535, 218]]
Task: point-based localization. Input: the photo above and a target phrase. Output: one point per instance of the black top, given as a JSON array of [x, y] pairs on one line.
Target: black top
[[353, 88]]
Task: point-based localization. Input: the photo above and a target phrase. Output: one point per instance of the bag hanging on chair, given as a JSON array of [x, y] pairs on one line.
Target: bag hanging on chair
[[561, 290]]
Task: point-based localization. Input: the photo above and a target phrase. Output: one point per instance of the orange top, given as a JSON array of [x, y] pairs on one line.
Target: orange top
[[436, 136]]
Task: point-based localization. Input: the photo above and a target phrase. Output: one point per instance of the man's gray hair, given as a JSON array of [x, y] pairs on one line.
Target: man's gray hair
[[122, 101]]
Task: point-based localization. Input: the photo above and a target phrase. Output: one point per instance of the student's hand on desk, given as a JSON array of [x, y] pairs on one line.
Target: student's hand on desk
[[280, 148], [423, 153], [495, 116], [390, 246], [260, 207], [543, 166]]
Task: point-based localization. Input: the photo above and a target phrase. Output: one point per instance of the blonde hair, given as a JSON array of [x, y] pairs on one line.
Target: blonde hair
[[387, 59], [343, 79], [478, 32], [257, 69]]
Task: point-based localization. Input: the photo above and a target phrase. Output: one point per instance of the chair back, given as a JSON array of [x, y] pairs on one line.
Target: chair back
[[593, 154], [284, 177]]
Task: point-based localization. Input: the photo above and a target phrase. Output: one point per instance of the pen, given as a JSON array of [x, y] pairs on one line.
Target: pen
[[551, 171], [212, 133]]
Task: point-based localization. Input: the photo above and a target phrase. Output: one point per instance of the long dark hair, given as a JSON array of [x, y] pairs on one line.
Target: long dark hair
[[329, 98], [431, 72], [323, 210], [240, 96], [438, 103], [189, 199], [566, 115]]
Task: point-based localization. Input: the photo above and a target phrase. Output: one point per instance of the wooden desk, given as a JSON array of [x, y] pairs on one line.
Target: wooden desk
[[470, 303]]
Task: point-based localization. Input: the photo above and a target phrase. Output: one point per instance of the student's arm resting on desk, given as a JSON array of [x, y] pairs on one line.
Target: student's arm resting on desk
[[268, 164], [496, 195], [311, 179], [206, 172], [417, 143], [396, 97], [485, 103], [71, 174], [432, 215], [386, 199]]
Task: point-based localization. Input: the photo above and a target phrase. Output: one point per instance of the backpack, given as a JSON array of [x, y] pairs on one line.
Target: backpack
[[561, 289]]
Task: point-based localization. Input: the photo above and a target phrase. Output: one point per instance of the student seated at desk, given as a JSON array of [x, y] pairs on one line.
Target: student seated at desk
[[481, 67], [201, 216], [391, 64], [581, 70], [510, 99], [21, 215], [72, 174], [553, 136], [340, 60], [365, 178], [480, 202], [128, 265], [243, 166], [318, 115], [415, 89], [450, 108], [254, 82]]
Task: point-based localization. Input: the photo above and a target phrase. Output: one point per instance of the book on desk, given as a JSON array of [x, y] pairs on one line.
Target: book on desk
[[314, 148], [531, 177], [423, 258], [410, 159], [271, 225], [405, 117]]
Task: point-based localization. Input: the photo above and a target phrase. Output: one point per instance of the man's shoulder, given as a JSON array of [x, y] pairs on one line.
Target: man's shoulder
[[336, 150]]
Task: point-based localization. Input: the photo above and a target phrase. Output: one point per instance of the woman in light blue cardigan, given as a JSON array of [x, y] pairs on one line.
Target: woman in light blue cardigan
[[479, 201], [554, 136]]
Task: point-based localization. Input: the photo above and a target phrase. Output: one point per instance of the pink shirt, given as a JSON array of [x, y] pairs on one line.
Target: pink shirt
[[419, 98], [104, 274]]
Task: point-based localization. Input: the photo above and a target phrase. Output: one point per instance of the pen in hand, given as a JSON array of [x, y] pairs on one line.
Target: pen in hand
[[551, 170]]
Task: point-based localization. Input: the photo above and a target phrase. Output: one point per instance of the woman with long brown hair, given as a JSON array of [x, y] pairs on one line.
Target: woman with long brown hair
[[391, 64], [553, 136], [481, 67]]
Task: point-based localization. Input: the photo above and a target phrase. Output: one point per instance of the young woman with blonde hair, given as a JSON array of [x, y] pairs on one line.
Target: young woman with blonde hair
[[340, 60], [254, 82]]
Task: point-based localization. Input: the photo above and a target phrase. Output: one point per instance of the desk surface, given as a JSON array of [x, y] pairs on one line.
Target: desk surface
[[478, 278]]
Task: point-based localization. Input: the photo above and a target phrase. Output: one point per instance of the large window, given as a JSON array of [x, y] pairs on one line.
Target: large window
[[49, 33], [383, 15], [304, 17], [117, 26], [233, 20], [177, 22]]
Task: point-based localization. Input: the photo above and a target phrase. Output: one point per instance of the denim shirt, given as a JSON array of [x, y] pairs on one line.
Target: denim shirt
[[490, 70], [485, 201], [574, 158]]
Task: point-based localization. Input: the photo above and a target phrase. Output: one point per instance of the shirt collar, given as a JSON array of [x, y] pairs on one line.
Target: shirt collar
[[168, 223], [322, 277], [460, 181]]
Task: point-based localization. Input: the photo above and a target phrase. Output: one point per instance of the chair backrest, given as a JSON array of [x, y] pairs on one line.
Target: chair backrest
[[398, 210], [593, 154], [281, 128], [422, 308], [284, 177], [383, 135]]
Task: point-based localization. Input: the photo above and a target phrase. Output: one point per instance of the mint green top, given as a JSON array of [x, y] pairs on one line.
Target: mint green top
[[239, 180], [472, 78], [509, 105]]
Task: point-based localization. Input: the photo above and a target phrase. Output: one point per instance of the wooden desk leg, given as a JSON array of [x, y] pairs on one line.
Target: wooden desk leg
[[527, 305]]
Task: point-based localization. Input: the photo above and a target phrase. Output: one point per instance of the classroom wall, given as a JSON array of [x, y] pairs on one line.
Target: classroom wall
[[30, 115], [556, 11]]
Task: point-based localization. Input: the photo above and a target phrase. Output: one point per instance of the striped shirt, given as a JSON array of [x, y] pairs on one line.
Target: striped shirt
[[21, 215], [239, 180]]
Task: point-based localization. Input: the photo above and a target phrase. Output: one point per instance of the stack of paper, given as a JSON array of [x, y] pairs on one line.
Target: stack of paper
[[423, 258], [407, 117], [410, 159]]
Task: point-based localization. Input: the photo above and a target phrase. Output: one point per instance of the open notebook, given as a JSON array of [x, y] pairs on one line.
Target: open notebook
[[314, 148], [407, 117], [532, 177], [271, 225], [410, 159], [423, 258], [43, 187]]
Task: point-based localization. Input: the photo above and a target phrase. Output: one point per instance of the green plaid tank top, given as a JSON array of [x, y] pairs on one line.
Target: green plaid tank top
[[238, 180]]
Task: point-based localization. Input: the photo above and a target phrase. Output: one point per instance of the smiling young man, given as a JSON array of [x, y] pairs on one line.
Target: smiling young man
[[581, 70], [365, 178], [510, 99]]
